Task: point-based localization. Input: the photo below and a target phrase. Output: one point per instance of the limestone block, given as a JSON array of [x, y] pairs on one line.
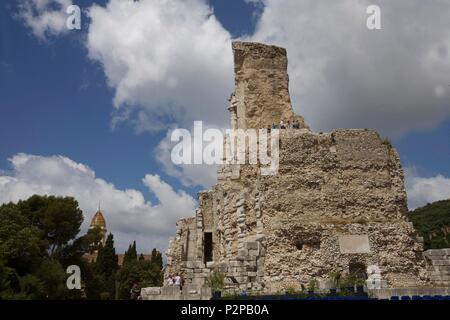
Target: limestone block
[[150, 291], [235, 263], [440, 278], [242, 253], [440, 262], [354, 244], [171, 293], [251, 245], [436, 252]]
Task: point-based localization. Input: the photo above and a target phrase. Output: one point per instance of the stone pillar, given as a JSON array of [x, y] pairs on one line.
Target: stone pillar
[[233, 111], [262, 86], [240, 215], [199, 246]]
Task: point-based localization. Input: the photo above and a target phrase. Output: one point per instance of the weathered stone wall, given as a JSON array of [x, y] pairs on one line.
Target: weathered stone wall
[[337, 201], [182, 247], [438, 266], [262, 86], [348, 182]]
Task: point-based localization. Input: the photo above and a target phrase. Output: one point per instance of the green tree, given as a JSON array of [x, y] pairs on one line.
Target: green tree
[[145, 273], [53, 278], [157, 258], [128, 275], [106, 267], [58, 218], [433, 223], [37, 242], [131, 254], [21, 244], [9, 282]]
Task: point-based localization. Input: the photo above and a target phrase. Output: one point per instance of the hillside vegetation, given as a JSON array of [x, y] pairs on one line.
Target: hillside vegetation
[[433, 224]]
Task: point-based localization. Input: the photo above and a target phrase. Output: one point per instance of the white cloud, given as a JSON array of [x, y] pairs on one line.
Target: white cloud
[[44, 17], [344, 75], [423, 190], [169, 61], [189, 175], [128, 214]]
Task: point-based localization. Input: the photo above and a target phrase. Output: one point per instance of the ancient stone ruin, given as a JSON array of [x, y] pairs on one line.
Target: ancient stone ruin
[[338, 202]]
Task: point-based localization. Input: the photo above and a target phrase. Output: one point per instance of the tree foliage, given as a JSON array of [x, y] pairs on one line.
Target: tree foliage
[[106, 267], [38, 240], [433, 224], [131, 254], [144, 273]]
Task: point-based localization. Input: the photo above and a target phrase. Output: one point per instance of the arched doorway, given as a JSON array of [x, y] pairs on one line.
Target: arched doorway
[[358, 270]]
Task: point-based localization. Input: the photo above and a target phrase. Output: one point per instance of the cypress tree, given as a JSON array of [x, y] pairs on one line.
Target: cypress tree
[[131, 254], [106, 266]]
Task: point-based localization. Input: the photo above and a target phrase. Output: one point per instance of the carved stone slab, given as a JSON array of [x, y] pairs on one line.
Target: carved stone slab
[[354, 244]]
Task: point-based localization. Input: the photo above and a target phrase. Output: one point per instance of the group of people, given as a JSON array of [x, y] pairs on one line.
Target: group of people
[[176, 280], [285, 125]]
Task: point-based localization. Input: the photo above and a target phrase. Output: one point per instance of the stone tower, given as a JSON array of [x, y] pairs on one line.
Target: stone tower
[[98, 221], [261, 95], [338, 202]]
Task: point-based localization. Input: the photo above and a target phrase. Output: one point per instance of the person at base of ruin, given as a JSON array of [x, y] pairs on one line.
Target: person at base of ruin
[[177, 280], [135, 292], [274, 126], [170, 281], [181, 283], [282, 126], [289, 125], [269, 128]]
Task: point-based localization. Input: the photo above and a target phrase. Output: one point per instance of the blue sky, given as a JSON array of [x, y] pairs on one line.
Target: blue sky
[[58, 100]]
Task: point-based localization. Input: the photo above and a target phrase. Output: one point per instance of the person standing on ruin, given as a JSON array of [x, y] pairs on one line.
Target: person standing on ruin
[[178, 280], [170, 281]]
